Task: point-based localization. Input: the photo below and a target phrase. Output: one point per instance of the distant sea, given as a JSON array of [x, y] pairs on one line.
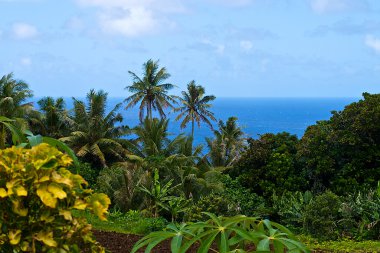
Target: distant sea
[[255, 115]]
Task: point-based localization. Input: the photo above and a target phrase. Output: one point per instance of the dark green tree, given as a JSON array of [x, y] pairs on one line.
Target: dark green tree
[[343, 153], [270, 164]]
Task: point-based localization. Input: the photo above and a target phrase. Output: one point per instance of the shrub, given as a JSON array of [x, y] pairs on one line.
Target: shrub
[[290, 207], [37, 197], [361, 214], [225, 234], [322, 215], [248, 202], [212, 203], [89, 173]]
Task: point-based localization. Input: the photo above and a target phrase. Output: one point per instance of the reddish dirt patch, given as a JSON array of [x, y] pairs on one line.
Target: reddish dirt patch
[[123, 243]]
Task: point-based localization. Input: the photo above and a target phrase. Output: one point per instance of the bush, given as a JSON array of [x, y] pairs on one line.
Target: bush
[[211, 203], [248, 202], [37, 197], [322, 215], [361, 215], [290, 207], [89, 173]]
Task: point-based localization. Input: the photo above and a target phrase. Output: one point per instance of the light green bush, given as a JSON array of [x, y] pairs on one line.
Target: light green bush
[[37, 196]]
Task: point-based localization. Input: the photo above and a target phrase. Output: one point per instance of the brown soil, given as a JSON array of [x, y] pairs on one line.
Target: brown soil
[[123, 243]]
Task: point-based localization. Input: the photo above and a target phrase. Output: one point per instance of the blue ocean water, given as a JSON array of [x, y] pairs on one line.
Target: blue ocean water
[[255, 115]]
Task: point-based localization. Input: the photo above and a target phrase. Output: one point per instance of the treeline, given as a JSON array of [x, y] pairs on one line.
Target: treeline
[[312, 184]]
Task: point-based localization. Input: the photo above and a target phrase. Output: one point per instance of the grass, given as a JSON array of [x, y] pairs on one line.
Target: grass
[[131, 222], [341, 246]]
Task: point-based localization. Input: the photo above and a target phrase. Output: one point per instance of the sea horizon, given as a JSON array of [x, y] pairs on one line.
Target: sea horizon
[[256, 115]]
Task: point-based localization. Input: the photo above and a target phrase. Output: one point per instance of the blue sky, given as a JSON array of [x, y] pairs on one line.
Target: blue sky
[[235, 48]]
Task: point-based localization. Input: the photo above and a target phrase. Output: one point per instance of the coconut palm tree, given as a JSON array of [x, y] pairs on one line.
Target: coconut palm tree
[[150, 90], [52, 119], [195, 107], [94, 134], [227, 145], [13, 94]]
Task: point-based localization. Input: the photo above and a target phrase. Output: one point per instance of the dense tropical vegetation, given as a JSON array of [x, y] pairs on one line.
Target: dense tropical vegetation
[[323, 186]]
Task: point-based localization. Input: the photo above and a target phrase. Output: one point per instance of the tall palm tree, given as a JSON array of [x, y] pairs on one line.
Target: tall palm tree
[[227, 145], [94, 133], [195, 107], [53, 120], [13, 94], [151, 90]]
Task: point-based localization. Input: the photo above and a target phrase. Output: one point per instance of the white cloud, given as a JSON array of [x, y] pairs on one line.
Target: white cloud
[[132, 18], [325, 6], [246, 45], [26, 61], [24, 31], [134, 22], [373, 43]]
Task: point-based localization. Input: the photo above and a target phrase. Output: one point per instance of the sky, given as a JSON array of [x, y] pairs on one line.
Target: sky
[[234, 48]]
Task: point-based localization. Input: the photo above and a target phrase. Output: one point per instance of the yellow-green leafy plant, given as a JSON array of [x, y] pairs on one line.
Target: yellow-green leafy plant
[[37, 197]]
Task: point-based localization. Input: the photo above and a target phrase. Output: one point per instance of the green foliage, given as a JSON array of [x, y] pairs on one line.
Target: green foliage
[[227, 145], [13, 94], [214, 203], [89, 173], [52, 119], [343, 153], [131, 222], [120, 183], [321, 216], [225, 234], [248, 202], [37, 197], [95, 135], [151, 90], [291, 207], [158, 194], [361, 215], [195, 107], [341, 246], [270, 165]]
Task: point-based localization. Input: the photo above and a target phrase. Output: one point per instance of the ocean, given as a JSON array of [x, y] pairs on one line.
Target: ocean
[[255, 115]]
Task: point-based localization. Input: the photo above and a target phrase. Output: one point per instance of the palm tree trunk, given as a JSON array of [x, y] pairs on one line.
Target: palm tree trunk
[[150, 110], [192, 129]]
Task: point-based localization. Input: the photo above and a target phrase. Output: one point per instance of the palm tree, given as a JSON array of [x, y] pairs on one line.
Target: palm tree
[[150, 90], [53, 120], [13, 94], [195, 107], [94, 134], [227, 145]]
